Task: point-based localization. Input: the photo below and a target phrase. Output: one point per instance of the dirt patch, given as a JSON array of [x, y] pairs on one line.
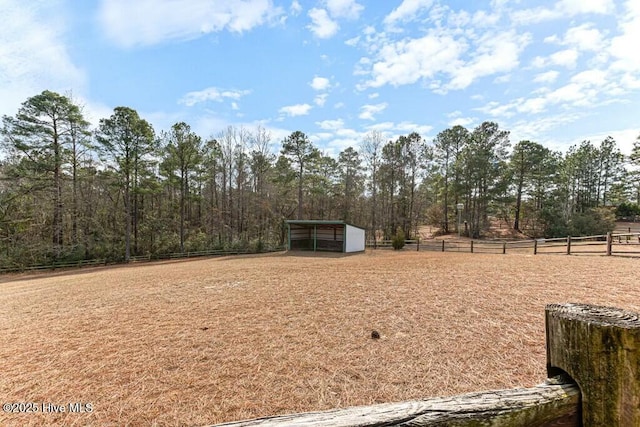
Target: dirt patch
[[498, 230], [213, 340], [627, 227]]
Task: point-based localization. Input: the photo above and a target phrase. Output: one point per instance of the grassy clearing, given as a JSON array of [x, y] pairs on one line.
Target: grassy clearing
[[213, 340]]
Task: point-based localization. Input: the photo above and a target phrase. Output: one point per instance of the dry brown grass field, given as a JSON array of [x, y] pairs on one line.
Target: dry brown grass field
[[213, 340]]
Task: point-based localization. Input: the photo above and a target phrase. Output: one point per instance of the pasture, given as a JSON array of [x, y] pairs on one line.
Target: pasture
[[213, 340]]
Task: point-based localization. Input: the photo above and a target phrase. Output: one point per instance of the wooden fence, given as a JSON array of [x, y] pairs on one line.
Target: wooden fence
[[387, 244], [593, 369], [56, 265], [139, 258], [603, 244]]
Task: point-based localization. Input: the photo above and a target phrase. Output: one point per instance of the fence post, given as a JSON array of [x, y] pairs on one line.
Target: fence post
[[535, 246], [599, 348], [504, 248], [568, 245], [418, 249], [443, 246], [609, 243], [472, 246]]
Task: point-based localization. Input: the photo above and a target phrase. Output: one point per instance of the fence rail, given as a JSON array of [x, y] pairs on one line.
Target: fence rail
[[601, 244], [139, 258], [55, 265], [593, 369], [529, 407], [387, 243]]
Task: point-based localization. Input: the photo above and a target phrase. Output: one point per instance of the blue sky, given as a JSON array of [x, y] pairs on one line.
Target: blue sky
[[555, 72]]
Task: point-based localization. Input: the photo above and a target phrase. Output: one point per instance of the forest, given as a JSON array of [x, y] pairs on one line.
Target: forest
[[72, 192]]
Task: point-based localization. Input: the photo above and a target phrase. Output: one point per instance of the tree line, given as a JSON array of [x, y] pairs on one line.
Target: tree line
[[70, 192]]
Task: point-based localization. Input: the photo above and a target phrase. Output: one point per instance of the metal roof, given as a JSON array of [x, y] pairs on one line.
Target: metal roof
[[320, 222]]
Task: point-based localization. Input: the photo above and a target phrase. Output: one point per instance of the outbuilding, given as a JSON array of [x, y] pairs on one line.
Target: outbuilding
[[325, 235]]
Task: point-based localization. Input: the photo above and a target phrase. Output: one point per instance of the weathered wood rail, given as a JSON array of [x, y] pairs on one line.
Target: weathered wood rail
[[140, 258], [593, 364], [602, 244], [535, 406]]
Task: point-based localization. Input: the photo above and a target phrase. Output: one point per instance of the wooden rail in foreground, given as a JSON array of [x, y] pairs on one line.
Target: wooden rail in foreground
[[593, 364]]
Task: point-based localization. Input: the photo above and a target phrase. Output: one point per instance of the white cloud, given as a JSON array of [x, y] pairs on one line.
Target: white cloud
[[458, 19], [496, 53], [406, 11], [533, 105], [538, 62], [439, 56], [296, 110], [392, 130], [624, 138], [347, 133], [33, 54], [341, 139], [408, 127], [564, 58], [320, 83], [322, 26], [584, 37], [533, 16], [337, 145], [352, 41], [498, 110], [484, 19], [572, 93], [321, 135], [331, 124], [382, 127], [563, 9], [625, 46], [590, 78], [585, 89], [574, 7], [321, 99], [295, 8], [369, 30], [374, 95], [164, 120], [211, 125], [548, 77], [211, 94], [349, 9], [147, 22], [362, 67], [534, 129], [368, 111], [466, 122], [91, 110], [409, 60]]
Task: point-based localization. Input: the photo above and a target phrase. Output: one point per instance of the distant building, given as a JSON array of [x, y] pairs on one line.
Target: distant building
[[323, 235]]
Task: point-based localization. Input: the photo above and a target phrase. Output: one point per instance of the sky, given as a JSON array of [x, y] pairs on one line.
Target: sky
[[555, 72]]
